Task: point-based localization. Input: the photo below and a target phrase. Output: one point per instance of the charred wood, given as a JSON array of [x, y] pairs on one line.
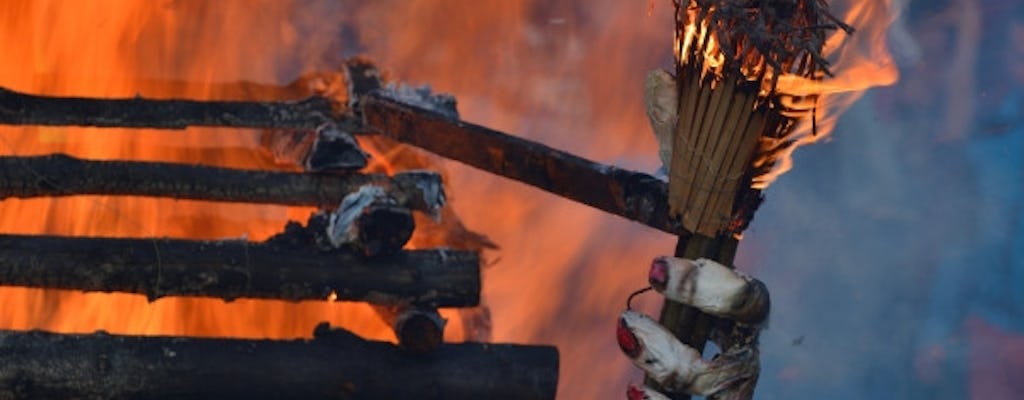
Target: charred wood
[[335, 150], [25, 109], [327, 149], [61, 175], [238, 269], [636, 196], [371, 221], [632, 195], [335, 364]]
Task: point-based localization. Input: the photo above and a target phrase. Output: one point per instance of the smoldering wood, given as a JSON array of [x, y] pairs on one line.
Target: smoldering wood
[[61, 175], [232, 269], [327, 149], [636, 196], [370, 221], [335, 364]]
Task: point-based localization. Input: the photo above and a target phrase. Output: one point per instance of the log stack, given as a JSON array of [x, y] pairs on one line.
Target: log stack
[[352, 250]]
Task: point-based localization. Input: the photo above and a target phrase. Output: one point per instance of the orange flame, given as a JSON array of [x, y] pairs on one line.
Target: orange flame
[[861, 61]]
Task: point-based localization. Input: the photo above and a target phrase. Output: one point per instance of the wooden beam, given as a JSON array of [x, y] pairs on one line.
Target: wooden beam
[[61, 175], [238, 269], [334, 365]]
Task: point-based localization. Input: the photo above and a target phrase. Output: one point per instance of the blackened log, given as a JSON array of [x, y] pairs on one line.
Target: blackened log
[[632, 195], [238, 269], [334, 365], [61, 175], [371, 221], [26, 109]]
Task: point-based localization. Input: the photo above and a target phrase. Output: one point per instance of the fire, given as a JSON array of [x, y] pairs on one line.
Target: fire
[[858, 62], [566, 74]]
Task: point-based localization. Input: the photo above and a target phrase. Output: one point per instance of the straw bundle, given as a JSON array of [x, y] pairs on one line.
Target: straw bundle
[[731, 116]]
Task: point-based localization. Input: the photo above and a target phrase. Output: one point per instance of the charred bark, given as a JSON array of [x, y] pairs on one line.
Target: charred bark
[[238, 269], [61, 175], [632, 195], [334, 365], [26, 109]]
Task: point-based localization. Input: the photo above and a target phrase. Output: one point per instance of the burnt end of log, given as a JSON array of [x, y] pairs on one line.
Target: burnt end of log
[[335, 364], [328, 149], [62, 175], [371, 221], [418, 329], [363, 77], [237, 269], [632, 195]]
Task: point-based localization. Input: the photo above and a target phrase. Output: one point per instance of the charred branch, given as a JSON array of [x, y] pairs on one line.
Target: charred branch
[[26, 109], [61, 175], [632, 195], [238, 269], [335, 364]]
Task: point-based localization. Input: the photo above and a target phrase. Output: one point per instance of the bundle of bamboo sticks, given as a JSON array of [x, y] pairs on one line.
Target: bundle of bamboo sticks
[[730, 54]]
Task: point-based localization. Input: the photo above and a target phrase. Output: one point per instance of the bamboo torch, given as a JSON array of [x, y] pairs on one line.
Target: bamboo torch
[[732, 117]]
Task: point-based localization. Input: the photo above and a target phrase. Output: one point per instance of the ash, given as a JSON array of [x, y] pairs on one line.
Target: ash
[[423, 97]]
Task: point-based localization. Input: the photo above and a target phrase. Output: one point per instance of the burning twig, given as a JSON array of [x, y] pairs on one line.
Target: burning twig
[[238, 269], [334, 365], [61, 175]]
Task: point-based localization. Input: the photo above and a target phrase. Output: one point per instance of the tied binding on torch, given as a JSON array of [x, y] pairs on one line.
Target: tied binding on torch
[[740, 301]]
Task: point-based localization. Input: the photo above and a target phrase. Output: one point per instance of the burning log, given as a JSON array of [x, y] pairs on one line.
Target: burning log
[[61, 175], [335, 364], [632, 195], [238, 269]]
